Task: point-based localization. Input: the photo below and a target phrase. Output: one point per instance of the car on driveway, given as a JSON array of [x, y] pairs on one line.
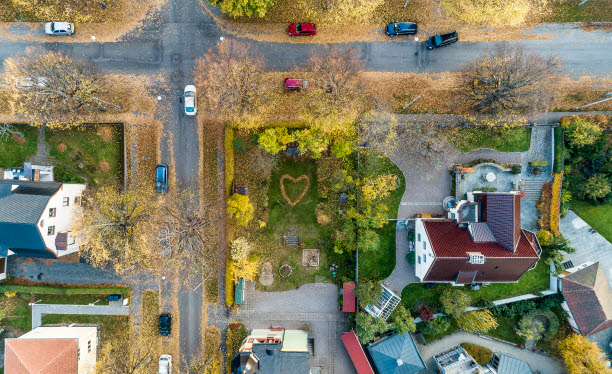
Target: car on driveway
[[401, 28], [295, 84], [27, 83], [161, 178], [442, 40], [191, 106], [302, 29], [59, 28], [165, 324], [165, 364]]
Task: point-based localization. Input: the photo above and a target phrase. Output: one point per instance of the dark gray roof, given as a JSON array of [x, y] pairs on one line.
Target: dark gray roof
[[497, 209], [396, 354], [20, 210], [481, 232], [511, 365], [272, 360]]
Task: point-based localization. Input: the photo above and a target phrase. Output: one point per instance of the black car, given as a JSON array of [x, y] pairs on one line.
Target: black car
[[161, 178], [442, 40], [165, 324], [401, 28]]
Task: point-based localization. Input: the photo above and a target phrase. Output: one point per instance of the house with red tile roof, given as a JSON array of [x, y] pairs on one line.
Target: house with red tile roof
[[480, 242]]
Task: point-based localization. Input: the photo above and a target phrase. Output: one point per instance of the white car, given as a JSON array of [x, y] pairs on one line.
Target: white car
[[191, 106], [29, 82], [165, 364], [59, 28]]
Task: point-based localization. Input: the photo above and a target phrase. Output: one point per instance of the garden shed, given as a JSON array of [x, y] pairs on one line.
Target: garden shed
[[239, 294], [355, 351]]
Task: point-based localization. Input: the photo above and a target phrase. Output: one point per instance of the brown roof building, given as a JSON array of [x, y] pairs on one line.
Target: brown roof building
[[588, 298], [481, 242], [41, 356]]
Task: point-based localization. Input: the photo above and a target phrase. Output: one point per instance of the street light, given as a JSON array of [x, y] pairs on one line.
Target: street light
[[416, 38]]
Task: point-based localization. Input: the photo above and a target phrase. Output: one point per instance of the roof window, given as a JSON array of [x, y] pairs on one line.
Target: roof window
[[476, 258]]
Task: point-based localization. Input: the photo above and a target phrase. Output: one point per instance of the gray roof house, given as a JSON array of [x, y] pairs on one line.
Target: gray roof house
[[35, 219], [396, 354]]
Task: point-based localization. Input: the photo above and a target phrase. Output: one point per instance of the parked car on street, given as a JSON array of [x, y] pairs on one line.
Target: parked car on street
[[442, 40], [165, 364], [165, 324], [59, 28], [191, 107], [401, 28], [161, 178], [295, 84], [27, 83], [302, 29]]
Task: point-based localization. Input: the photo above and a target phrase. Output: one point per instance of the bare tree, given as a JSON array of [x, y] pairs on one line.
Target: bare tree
[[122, 355], [53, 86], [337, 97], [114, 227], [507, 78], [231, 80], [263, 162], [190, 234]]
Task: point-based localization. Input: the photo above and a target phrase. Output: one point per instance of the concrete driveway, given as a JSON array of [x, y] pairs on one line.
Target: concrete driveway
[[590, 245], [313, 307]]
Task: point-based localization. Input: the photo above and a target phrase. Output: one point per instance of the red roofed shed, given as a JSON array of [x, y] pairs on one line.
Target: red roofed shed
[[348, 298], [356, 352]]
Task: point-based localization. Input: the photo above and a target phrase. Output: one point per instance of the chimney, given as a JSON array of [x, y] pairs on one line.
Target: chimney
[[36, 175]]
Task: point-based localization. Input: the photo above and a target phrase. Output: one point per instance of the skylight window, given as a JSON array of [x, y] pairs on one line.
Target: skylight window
[[476, 258]]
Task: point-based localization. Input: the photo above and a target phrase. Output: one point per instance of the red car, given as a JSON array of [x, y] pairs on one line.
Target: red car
[[294, 84], [302, 29]]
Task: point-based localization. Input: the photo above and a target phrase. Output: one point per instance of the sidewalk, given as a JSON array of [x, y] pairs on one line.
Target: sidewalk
[[537, 361], [39, 309]]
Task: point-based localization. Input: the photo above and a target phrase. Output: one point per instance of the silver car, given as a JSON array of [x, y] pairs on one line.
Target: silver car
[[59, 28]]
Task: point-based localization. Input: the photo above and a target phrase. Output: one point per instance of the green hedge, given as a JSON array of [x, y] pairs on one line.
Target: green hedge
[[51, 290], [482, 355], [538, 163]]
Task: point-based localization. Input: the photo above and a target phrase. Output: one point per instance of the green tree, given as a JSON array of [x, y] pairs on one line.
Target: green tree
[[313, 141], [240, 209], [554, 252], [454, 302], [239, 8], [478, 321], [582, 356], [597, 187], [367, 326], [274, 140], [403, 322], [368, 292], [342, 146], [545, 237], [436, 326], [581, 133], [529, 329]]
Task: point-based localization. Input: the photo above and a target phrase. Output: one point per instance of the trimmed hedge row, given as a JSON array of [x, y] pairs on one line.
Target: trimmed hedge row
[[50, 290]]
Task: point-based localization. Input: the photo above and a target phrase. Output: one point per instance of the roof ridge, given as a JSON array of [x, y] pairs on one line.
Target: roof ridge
[[56, 356], [16, 355]]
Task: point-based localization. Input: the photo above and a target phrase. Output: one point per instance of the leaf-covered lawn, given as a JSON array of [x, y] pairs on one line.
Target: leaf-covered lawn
[[13, 154], [569, 11], [504, 140]]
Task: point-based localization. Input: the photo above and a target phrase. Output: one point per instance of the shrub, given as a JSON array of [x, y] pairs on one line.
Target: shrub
[[555, 204], [514, 309], [235, 335], [436, 326], [484, 303], [240, 145], [538, 163], [482, 355], [597, 187], [229, 159], [229, 282], [240, 209], [581, 133], [547, 302], [425, 314], [545, 237], [516, 169], [240, 248], [65, 175], [410, 257]]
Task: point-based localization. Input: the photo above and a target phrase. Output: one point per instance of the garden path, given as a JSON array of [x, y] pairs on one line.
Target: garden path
[[537, 361], [43, 151]]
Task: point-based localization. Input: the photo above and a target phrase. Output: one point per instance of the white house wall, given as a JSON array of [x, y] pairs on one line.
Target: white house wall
[[424, 256], [63, 216]]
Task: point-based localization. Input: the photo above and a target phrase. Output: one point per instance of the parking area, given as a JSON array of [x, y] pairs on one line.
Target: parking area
[[312, 307]]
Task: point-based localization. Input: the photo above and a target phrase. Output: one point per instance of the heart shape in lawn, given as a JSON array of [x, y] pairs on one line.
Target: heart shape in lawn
[[294, 180]]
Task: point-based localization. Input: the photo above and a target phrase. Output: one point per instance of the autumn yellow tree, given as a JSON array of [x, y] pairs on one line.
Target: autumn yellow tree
[[54, 88], [478, 321], [454, 302], [115, 227], [230, 80], [378, 187], [582, 356], [240, 209]]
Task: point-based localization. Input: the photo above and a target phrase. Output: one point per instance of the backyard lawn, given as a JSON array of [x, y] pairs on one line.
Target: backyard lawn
[[90, 153], [12, 153], [107, 324], [598, 217], [506, 330], [504, 140], [569, 11], [533, 281]]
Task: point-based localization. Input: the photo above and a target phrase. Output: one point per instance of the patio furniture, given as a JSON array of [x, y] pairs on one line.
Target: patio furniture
[[490, 177]]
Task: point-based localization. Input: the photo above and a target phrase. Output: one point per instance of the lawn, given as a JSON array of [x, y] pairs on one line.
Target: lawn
[[91, 153], [533, 281], [504, 140], [378, 265], [598, 217], [431, 337], [505, 330], [569, 11], [107, 324], [12, 153]]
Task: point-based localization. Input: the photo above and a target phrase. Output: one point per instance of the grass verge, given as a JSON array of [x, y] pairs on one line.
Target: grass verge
[[558, 166], [504, 140], [13, 151], [569, 11], [107, 324]]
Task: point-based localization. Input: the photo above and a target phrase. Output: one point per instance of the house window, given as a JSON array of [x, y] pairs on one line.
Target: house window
[[77, 200], [66, 201], [89, 346], [78, 353], [51, 212], [424, 259], [424, 245], [476, 258], [51, 230], [419, 258], [419, 237], [71, 240]]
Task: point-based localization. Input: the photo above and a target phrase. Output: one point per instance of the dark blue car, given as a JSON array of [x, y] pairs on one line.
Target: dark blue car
[[442, 40], [401, 28], [165, 324], [161, 179]]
